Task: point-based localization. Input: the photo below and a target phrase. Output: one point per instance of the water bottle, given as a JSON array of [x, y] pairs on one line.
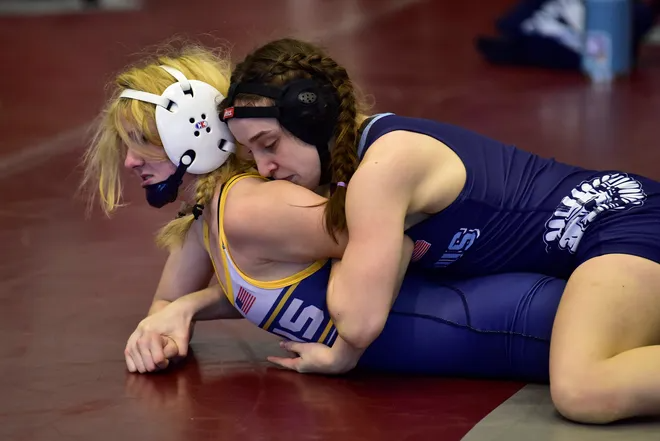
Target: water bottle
[[607, 49]]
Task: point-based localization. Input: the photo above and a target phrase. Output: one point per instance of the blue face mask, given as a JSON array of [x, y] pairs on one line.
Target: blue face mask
[[166, 192]]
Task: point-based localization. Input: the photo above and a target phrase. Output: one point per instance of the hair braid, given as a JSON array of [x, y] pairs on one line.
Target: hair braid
[[174, 233], [344, 160], [282, 61]]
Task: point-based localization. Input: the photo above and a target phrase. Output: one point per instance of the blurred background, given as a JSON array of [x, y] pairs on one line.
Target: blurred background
[[507, 68], [575, 80]]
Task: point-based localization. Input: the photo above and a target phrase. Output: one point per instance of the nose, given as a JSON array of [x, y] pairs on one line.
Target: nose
[[266, 167], [133, 160]]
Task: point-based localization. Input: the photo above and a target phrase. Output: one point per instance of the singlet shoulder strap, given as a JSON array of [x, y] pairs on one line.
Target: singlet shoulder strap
[[363, 132], [222, 240], [222, 199], [228, 262], [207, 239]]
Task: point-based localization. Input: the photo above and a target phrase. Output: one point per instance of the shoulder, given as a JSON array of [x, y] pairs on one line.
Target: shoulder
[[258, 194], [279, 221], [399, 157], [254, 205], [404, 147], [408, 169]]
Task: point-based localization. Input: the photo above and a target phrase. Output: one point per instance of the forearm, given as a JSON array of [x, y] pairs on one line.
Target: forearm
[[359, 309], [220, 310], [188, 269], [363, 290], [207, 304], [210, 309], [166, 293]]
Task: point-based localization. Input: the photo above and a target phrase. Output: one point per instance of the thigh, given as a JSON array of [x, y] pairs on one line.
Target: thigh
[[611, 304], [495, 326]]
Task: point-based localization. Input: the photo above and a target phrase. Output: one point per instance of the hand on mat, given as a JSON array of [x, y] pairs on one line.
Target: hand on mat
[[157, 339], [318, 358]]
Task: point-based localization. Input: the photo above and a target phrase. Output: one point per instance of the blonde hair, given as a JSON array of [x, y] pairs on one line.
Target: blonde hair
[[103, 159]]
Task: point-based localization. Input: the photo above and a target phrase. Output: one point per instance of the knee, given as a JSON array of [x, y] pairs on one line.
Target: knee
[[585, 397]]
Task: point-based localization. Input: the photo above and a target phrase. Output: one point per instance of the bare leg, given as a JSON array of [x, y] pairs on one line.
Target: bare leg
[[604, 353]]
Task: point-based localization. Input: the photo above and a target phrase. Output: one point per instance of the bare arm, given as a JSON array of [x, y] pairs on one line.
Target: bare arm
[[206, 304], [349, 318], [188, 270], [210, 304], [406, 254], [283, 221], [377, 255]]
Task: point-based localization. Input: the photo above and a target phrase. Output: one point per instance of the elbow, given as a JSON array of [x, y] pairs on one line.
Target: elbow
[[359, 330]]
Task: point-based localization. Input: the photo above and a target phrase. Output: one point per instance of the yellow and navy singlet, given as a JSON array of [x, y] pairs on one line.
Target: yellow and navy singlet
[[293, 307]]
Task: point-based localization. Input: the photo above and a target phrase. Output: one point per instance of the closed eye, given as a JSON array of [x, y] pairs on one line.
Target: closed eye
[[271, 145]]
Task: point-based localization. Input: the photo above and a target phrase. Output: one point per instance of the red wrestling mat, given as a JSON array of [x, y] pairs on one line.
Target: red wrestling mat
[[207, 399], [225, 391], [72, 291], [222, 392]]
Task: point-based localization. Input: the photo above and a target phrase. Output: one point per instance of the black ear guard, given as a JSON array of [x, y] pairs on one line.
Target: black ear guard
[[303, 107]]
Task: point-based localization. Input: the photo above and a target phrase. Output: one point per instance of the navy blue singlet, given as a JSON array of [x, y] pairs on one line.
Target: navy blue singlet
[[522, 212]]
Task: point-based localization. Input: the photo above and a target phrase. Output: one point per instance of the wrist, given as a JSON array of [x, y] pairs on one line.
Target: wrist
[[186, 306], [157, 305], [346, 351]]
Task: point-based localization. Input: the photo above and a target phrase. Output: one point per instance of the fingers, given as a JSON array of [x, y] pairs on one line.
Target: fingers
[[149, 352], [181, 342], [293, 346], [286, 362], [130, 364], [144, 349], [132, 354], [295, 364], [156, 351], [170, 348]]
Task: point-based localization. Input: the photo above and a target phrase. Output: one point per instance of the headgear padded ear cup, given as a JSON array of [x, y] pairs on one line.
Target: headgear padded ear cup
[[309, 112], [190, 129], [303, 107], [187, 119]]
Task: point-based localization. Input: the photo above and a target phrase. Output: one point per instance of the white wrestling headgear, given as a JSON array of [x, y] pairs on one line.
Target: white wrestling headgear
[[188, 123]]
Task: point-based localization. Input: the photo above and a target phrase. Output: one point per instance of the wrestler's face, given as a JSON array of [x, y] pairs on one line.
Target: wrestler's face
[[149, 162], [149, 171], [277, 153]]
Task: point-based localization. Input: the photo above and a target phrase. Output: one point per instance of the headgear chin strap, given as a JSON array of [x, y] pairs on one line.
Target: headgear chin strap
[[303, 107], [193, 136], [166, 192]]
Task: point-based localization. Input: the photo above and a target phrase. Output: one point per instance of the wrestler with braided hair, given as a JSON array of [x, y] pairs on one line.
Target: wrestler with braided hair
[[473, 206]]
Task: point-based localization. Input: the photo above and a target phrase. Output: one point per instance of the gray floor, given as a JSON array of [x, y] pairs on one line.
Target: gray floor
[[529, 415]]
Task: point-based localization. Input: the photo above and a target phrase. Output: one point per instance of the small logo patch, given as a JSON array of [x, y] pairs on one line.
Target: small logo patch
[[229, 113], [587, 202], [421, 247]]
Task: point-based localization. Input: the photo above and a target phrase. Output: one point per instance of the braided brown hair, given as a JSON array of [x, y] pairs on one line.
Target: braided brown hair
[[281, 61]]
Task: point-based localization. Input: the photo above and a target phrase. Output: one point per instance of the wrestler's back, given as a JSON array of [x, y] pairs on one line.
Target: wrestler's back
[[248, 257], [516, 211]]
